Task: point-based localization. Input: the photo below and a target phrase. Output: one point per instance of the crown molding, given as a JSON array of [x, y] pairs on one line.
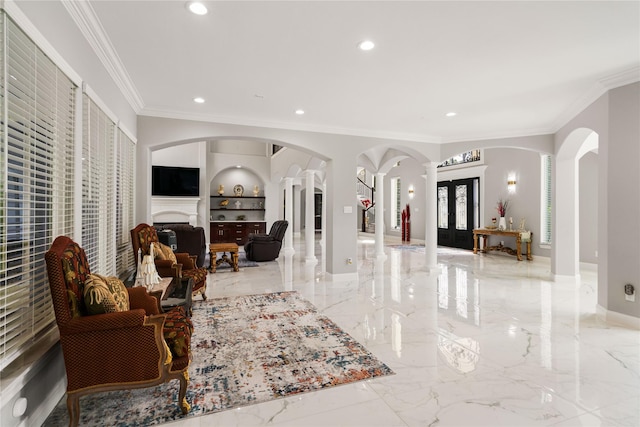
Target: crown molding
[[518, 133], [16, 14], [621, 78], [87, 21], [179, 115], [599, 88]]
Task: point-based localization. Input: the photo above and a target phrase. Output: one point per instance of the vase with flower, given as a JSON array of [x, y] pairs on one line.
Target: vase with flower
[[502, 211]]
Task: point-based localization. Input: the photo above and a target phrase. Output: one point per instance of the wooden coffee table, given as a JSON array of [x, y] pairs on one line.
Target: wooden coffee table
[[232, 248]]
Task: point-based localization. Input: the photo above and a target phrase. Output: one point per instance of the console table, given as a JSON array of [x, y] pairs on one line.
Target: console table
[[486, 232]]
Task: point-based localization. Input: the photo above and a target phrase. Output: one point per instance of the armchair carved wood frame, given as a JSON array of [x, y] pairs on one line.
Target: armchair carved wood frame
[[143, 235], [112, 351]]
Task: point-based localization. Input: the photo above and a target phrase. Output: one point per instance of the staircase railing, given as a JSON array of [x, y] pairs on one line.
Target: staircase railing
[[365, 192], [366, 197]]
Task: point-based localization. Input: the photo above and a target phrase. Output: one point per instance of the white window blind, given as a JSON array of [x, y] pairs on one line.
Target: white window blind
[[36, 189], [98, 188], [396, 198], [125, 169], [545, 203]]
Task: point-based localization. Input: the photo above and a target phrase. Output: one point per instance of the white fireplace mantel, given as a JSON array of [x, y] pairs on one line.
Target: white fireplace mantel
[[175, 209]]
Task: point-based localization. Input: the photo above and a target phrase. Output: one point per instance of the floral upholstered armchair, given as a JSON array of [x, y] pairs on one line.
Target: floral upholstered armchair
[[112, 338], [169, 264]]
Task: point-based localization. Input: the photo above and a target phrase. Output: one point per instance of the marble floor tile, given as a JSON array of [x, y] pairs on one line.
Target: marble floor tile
[[486, 341]]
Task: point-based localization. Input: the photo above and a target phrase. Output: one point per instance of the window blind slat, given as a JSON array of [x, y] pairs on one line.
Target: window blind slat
[[37, 143]]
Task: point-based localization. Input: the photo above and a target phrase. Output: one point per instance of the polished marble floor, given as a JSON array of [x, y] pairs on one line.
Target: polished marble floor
[[489, 341]]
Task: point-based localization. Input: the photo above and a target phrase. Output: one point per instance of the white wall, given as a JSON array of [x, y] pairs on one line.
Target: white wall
[[411, 173], [623, 204], [588, 208], [615, 118], [186, 155], [525, 201]]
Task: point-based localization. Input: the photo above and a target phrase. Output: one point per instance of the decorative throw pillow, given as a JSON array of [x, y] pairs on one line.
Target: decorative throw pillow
[[118, 290], [177, 331], [163, 251], [98, 298], [105, 294]]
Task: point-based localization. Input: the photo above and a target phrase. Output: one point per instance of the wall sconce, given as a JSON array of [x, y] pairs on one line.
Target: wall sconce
[[511, 183], [411, 191]]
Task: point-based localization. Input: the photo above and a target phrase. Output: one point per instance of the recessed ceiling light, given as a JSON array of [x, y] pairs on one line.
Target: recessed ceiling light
[[366, 45], [299, 112], [239, 167], [199, 100], [197, 8], [451, 114]]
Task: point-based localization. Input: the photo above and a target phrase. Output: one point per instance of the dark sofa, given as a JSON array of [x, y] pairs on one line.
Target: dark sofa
[[266, 247], [190, 239]]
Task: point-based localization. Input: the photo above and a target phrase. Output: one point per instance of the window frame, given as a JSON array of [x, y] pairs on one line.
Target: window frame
[[395, 184], [37, 155], [546, 200]]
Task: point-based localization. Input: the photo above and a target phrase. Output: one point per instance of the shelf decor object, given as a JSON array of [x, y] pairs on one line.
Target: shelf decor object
[[238, 190], [221, 189], [256, 191]]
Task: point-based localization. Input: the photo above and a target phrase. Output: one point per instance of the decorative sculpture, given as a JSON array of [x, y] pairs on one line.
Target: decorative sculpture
[[147, 274]]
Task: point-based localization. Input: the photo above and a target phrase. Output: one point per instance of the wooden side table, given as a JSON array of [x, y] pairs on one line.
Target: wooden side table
[[179, 295], [232, 248]]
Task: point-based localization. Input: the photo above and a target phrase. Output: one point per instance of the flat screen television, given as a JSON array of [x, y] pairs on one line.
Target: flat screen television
[[175, 181]]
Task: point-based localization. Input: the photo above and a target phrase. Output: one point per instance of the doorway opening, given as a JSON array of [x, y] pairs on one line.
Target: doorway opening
[[458, 212]]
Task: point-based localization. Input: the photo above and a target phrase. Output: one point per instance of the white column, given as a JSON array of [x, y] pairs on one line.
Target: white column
[[431, 218], [379, 212], [309, 220], [288, 215], [566, 236], [297, 208], [323, 239]]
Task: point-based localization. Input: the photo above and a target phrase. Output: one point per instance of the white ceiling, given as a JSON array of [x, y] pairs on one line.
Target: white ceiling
[[507, 68]]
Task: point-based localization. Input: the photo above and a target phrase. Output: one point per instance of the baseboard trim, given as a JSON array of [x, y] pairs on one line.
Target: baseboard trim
[[344, 277], [620, 319]]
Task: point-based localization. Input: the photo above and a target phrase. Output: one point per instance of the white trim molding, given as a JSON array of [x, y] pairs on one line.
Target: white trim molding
[[617, 318], [175, 209], [87, 21]]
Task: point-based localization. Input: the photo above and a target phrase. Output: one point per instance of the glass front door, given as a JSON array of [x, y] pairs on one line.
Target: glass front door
[[458, 212]]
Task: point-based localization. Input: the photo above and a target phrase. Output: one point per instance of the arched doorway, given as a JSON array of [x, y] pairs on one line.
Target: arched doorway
[[566, 224]]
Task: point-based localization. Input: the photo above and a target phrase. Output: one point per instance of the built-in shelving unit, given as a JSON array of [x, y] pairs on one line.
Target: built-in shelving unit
[[236, 208], [233, 218]]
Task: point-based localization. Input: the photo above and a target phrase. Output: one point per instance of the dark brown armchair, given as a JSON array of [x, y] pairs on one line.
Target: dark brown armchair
[[114, 350], [266, 247], [190, 239], [141, 238]]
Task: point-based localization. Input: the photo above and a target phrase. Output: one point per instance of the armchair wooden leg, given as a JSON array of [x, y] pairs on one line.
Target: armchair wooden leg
[[73, 406], [182, 400]]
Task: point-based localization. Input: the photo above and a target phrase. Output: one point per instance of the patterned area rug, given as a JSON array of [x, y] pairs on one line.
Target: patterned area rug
[[242, 262], [246, 350], [408, 247]]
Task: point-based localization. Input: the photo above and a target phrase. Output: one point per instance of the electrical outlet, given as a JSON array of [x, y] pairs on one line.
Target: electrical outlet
[[629, 292]]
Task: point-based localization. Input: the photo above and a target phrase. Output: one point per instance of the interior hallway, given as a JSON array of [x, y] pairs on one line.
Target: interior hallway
[[489, 341]]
